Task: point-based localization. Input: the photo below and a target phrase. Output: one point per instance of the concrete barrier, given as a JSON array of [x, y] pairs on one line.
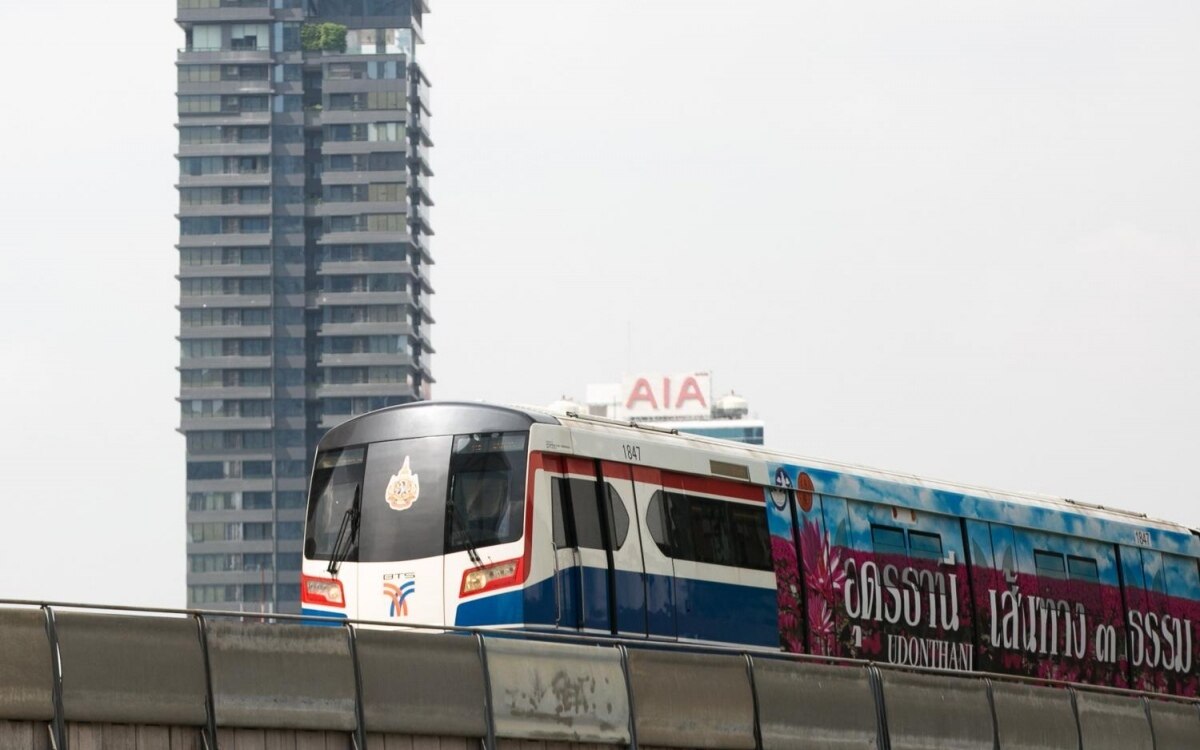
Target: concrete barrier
[[1176, 725], [1029, 717], [804, 706], [558, 692], [281, 676], [691, 700], [131, 670], [932, 711], [421, 684], [1113, 722], [27, 676]]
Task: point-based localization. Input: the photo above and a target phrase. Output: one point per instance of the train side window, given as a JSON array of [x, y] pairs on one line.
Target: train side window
[[585, 513], [1049, 564], [751, 537], [923, 544], [620, 516], [562, 539], [716, 532], [656, 522], [577, 498], [888, 540], [1082, 569]]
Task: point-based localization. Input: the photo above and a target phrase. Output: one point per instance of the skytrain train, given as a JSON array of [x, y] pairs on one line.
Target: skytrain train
[[467, 514]]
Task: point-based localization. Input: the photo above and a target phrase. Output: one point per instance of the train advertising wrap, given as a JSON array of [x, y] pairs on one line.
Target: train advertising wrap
[[883, 575]]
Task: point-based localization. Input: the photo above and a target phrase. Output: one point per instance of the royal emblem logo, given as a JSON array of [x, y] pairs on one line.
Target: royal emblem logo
[[403, 488], [398, 597]]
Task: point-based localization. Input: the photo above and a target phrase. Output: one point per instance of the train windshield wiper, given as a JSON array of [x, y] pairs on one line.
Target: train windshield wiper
[[347, 533], [457, 522]]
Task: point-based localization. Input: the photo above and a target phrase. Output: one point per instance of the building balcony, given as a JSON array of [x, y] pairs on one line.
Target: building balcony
[[188, 424], [226, 270], [262, 148], [357, 116], [232, 484], [231, 578], [363, 238], [359, 208], [227, 11], [330, 268], [233, 239], [224, 392], [419, 217], [366, 359], [224, 300], [224, 87], [418, 89], [362, 147], [225, 209], [230, 179], [236, 362], [224, 56], [362, 390], [332, 299], [420, 193], [397, 328], [419, 127], [224, 118], [225, 332], [418, 156], [329, 177], [230, 546]]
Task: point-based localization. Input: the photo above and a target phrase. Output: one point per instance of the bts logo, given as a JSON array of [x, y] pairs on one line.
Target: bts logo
[[398, 597]]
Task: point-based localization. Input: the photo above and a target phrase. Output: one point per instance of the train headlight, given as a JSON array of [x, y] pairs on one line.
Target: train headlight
[[322, 591], [491, 577]]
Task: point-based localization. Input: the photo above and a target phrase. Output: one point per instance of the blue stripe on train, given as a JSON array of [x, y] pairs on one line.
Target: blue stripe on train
[[326, 618], [707, 610]]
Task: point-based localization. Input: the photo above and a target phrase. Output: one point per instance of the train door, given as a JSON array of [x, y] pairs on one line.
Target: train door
[[1161, 592], [909, 600], [629, 574], [583, 534], [657, 564]]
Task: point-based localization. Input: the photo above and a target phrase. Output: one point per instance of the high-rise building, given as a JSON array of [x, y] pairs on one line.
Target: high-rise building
[[304, 249]]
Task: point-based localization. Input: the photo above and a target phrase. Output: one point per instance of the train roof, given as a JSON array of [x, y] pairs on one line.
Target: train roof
[[456, 417], [770, 455]]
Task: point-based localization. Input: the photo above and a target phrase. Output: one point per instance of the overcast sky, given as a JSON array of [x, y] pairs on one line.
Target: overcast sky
[[955, 239]]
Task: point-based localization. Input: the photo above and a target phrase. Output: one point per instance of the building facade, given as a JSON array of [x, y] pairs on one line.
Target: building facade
[[678, 401], [304, 255]]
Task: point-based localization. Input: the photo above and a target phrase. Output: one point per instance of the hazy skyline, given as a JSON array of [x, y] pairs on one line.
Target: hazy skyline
[[954, 240]]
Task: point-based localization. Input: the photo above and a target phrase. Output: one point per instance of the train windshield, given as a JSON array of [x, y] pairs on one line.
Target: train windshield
[[418, 498], [487, 490]]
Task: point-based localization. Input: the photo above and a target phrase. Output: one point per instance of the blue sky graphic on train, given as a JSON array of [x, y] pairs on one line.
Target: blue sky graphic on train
[[998, 509]]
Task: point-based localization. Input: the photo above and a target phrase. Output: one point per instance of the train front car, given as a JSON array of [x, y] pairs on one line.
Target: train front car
[[420, 514]]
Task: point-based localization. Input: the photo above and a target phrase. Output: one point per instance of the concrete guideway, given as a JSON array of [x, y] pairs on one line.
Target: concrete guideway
[[74, 677]]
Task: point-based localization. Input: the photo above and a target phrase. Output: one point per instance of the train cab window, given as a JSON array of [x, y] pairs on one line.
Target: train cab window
[[922, 544], [888, 540], [336, 492], [1049, 564], [1082, 569]]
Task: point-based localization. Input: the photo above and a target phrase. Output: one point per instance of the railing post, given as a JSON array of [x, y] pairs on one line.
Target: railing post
[[987, 681], [758, 740], [210, 707], [58, 725], [883, 738], [1075, 713], [489, 716], [621, 649], [360, 724]]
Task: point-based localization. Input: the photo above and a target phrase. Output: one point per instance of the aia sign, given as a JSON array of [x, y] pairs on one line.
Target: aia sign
[[683, 396]]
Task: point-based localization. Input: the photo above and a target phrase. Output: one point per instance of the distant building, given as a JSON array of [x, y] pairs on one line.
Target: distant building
[[304, 243], [681, 401]]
